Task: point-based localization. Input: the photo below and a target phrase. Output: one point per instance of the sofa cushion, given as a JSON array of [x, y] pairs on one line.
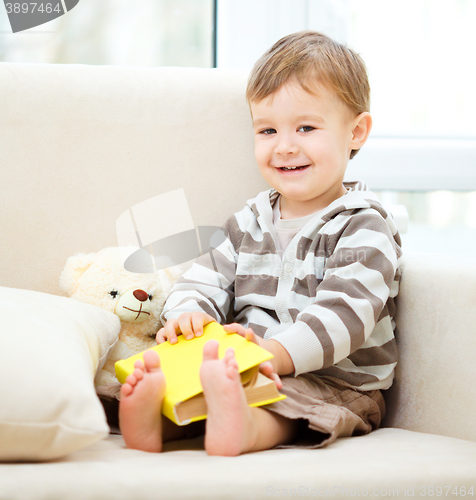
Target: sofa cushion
[[387, 463], [50, 350]]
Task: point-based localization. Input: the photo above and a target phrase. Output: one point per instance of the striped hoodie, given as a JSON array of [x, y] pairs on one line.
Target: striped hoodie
[[329, 300]]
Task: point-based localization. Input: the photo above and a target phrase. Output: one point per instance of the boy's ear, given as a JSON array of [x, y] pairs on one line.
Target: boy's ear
[[361, 130]]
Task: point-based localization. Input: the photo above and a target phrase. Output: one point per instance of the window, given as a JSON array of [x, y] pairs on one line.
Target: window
[[118, 32], [419, 53]]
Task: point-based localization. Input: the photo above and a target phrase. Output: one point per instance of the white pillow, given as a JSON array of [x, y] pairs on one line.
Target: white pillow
[[50, 350]]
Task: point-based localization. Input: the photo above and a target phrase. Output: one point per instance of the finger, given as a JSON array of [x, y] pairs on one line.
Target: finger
[[235, 328], [160, 338], [170, 330], [198, 320], [267, 369], [277, 380], [185, 325], [250, 335]]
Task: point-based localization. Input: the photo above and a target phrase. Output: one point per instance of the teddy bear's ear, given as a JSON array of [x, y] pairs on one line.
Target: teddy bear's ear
[[73, 270]]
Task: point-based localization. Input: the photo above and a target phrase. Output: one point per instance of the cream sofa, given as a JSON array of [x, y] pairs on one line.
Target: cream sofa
[[79, 145]]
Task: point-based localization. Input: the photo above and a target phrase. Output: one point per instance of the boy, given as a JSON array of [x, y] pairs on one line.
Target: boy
[[309, 271]]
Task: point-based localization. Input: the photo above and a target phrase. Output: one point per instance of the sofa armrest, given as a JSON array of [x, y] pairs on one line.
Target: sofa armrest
[[435, 390]]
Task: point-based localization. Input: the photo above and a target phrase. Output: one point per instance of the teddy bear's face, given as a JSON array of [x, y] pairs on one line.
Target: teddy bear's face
[[134, 305], [135, 298], [101, 280]]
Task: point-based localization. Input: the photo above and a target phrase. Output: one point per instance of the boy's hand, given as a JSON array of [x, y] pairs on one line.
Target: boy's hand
[[274, 366], [188, 324], [248, 333]]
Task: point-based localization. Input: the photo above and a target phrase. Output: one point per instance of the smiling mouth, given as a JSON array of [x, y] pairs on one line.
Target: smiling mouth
[[288, 169]]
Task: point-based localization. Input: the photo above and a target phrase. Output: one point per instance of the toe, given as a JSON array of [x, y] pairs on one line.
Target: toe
[[233, 364], [210, 350], [151, 360], [229, 354], [126, 390], [138, 374], [139, 364], [131, 380], [232, 370]]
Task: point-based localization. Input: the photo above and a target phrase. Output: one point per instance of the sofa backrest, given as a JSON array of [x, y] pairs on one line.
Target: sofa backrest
[[434, 389], [79, 145]]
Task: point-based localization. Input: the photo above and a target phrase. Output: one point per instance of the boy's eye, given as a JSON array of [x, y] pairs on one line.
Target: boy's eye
[[306, 128], [268, 131]]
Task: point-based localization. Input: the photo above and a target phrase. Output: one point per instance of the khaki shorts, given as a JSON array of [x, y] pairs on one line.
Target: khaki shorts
[[328, 409]]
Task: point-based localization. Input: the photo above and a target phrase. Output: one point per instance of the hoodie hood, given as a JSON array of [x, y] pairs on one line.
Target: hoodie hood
[[358, 196]]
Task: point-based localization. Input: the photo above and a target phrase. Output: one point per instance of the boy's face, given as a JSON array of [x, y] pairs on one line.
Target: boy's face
[[312, 132]]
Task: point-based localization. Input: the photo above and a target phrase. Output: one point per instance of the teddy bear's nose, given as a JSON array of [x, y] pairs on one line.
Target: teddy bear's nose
[[140, 295]]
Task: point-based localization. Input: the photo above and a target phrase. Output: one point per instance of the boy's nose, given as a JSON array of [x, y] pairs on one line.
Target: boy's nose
[[286, 146]]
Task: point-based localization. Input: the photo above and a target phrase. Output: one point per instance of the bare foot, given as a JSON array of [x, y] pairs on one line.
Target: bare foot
[[230, 429], [140, 405]]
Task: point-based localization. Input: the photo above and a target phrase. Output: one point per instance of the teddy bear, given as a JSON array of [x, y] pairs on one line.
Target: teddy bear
[[136, 297]]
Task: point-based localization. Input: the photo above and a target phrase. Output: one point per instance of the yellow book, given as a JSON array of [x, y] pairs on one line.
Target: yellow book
[[184, 401]]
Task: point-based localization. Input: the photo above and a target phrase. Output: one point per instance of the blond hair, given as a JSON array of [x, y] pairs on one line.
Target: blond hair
[[312, 58]]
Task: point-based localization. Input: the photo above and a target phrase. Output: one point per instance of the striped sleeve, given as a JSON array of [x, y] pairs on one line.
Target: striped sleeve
[[208, 286], [357, 282]]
